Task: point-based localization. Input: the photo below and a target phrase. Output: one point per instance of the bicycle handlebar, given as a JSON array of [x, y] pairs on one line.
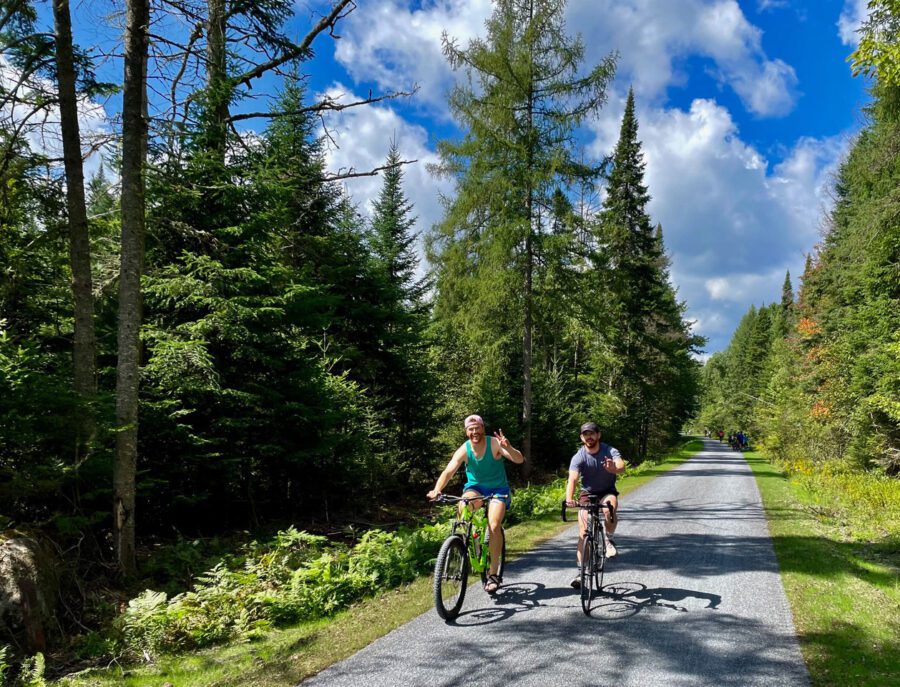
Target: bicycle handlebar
[[586, 506], [449, 498]]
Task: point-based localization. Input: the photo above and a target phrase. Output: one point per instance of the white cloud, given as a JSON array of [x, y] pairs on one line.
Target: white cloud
[[765, 5], [653, 37], [733, 220], [852, 17], [394, 45]]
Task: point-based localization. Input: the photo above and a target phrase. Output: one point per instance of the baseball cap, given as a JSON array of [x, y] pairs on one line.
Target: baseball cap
[[473, 420], [589, 427]]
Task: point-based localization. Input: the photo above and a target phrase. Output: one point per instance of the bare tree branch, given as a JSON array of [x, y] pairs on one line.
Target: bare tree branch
[[327, 22], [352, 173], [328, 104]]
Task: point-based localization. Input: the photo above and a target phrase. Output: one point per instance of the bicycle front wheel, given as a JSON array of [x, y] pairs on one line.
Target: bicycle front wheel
[[451, 573], [487, 540], [600, 562], [587, 575]]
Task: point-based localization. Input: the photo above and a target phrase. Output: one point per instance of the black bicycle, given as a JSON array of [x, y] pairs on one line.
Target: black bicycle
[[593, 555], [467, 547]]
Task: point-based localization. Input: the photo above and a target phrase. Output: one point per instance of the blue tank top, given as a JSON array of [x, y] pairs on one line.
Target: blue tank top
[[485, 471]]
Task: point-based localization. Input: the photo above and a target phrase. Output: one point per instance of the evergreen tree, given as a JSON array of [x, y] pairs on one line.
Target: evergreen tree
[[403, 383], [524, 98], [651, 339]]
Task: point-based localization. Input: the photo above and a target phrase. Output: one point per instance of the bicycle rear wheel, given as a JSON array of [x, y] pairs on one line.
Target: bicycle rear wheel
[[451, 573], [487, 540], [587, 575]]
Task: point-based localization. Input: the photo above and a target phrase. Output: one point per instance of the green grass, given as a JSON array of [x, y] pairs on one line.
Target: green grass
[[285, 657], [841, 578]]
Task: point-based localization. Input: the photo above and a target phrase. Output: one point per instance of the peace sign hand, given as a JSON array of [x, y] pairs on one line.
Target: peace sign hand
[[504, 442]]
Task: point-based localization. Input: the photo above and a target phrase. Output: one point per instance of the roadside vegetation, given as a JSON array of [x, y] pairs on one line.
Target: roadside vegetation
[[837, 538]]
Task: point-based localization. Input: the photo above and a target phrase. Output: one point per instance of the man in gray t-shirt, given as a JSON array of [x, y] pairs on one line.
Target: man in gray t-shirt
[[597, 465]]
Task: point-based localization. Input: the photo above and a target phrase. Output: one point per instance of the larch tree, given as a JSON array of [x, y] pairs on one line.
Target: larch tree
[[522, 100]]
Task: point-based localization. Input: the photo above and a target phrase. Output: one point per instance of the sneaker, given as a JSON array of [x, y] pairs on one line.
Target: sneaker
[[576, 582], [611, 549]]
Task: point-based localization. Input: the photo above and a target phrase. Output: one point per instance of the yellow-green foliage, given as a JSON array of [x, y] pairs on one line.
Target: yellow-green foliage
[[868, 503]]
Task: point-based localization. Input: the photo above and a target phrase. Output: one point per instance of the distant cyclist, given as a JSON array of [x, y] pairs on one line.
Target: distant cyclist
[[597, 464], [483, 457]]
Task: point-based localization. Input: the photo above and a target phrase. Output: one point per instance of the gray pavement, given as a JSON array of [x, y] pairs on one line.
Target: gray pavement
[[693, 598]]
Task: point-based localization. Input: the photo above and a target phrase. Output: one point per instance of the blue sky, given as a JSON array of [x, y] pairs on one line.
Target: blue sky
[[745, 107]]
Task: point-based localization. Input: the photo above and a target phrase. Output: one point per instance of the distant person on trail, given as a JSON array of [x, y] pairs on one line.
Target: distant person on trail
[[485, 475], [721, 435], [597, 464]]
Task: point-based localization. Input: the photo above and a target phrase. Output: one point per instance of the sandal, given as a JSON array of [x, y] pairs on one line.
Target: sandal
[[493, 583]]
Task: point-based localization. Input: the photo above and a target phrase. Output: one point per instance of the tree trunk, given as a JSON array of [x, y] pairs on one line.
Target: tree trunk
[[134, 136], [85, 347], [216, 76], [527, 351], [528, 302]]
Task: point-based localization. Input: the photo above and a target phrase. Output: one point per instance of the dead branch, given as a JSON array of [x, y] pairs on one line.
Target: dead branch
[[352, 174], [328, 104], [327, 22]]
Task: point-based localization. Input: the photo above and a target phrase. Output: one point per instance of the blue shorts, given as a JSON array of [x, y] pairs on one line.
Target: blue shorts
[[501, 492]]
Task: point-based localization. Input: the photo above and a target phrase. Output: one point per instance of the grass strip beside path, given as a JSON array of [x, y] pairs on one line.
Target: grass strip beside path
[[844, 593], [285, 657]]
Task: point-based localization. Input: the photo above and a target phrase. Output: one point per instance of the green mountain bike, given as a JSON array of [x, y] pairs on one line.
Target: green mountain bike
[[466, 548]]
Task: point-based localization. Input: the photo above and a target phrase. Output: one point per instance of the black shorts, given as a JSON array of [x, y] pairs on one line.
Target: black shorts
[[583, 497]]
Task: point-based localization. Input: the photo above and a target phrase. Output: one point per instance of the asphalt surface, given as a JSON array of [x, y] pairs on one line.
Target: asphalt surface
[[693, 598]]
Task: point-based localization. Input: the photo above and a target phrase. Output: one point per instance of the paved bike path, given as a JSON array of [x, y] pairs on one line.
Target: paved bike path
[[693, 598]]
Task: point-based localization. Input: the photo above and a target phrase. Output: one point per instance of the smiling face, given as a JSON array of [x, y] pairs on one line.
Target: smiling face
[[475, 433], [590, 439]]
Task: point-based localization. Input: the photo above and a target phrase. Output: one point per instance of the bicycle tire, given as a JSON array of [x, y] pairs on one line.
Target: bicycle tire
[[451, 576], [487, 540], [587, 575], [600, 562]]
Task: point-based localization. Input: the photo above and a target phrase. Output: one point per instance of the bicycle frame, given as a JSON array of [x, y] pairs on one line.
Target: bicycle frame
[[472, 526]]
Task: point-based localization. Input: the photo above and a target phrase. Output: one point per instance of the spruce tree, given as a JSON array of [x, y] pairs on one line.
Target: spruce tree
[[651, 342], [403, 383]]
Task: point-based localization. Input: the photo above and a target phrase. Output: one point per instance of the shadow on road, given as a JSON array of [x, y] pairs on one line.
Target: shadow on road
[[618, 600]]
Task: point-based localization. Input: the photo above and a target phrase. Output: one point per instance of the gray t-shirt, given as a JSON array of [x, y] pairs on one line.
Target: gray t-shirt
[[594, 477]]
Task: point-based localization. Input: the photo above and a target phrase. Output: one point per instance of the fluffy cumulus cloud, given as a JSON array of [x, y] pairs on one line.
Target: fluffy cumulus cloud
[[396, 45], [393, 44], [361, 139], [653, 37], [733, 223], [734, 218], [852, 17]]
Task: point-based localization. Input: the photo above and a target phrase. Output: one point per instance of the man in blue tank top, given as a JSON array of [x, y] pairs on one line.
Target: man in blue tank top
[[597, 464], [484, 457]]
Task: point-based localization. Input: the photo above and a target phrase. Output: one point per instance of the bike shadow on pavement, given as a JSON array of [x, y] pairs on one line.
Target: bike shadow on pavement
[[513, 599], [621, 600], [618, 600]]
